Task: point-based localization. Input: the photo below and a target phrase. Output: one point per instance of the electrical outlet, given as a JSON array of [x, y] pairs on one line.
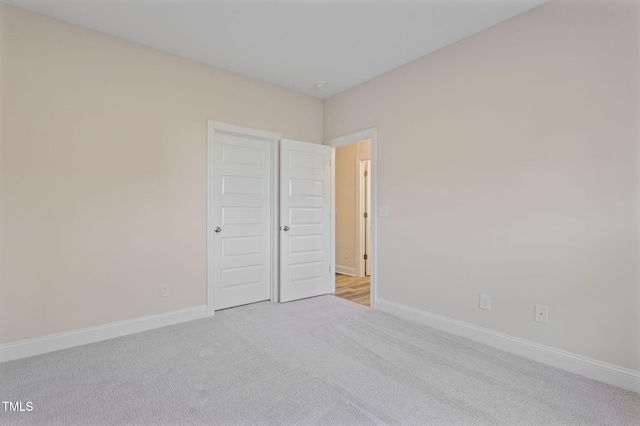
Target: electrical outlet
[[541, 314], [164, 290], [485, 302]]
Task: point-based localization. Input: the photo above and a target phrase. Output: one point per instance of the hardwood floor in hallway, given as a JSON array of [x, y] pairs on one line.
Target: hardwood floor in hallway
[[355, 289]]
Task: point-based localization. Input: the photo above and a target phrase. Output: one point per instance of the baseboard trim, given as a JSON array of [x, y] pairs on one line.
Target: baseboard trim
[[346, 270], [578, 364], [55, 342]]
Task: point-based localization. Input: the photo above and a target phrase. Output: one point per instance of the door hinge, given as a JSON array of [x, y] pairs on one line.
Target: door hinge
[[366, 256], [366, 173], [365, 215]]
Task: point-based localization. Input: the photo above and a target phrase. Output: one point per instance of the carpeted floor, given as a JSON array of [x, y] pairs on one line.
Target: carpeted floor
[[319, 361]]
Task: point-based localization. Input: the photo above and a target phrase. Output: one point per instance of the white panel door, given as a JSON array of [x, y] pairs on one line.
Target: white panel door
[[367, 220], [305, 207], [240, 218]]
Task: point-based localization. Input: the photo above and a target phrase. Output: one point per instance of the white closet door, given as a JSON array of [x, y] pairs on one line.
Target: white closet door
[[305, 204], [240, 218]]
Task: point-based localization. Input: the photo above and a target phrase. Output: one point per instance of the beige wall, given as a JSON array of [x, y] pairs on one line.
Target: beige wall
[[509, 162], [103, 168], [347, 202]]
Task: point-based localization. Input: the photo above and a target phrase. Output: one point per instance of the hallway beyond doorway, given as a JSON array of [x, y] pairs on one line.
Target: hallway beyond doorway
[[355, 289]]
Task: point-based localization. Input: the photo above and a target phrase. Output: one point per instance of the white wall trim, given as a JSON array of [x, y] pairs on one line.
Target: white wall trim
[[578, 364], [69, 339], [346, 270], [351, 138]]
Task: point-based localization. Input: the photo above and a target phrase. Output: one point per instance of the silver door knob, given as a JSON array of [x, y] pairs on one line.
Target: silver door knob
[[217, 229], [286, 228]]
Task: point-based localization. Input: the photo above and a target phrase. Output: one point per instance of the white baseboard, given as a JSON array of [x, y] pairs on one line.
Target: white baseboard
[[588, 367], [346, 270], [55, 342]]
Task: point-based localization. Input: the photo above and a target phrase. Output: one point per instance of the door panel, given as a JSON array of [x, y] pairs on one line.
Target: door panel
[[236, 185], [241, 197], [301, 244], [305, 204]]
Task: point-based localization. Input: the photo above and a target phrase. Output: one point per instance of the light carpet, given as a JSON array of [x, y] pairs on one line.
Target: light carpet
[[319, 361]]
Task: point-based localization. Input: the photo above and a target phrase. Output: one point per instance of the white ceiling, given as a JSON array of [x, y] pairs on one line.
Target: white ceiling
[[290, 43]]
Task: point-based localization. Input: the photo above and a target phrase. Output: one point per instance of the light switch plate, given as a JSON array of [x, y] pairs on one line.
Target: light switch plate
[[383, 210]]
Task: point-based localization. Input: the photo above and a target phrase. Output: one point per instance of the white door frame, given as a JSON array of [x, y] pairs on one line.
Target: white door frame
[[371, 134], [212, 127]]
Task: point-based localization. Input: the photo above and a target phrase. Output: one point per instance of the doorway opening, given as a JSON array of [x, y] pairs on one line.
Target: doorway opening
[[353, 221]]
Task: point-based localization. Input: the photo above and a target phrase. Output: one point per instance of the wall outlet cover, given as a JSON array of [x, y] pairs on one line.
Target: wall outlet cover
[[485, 301], [164, 290]]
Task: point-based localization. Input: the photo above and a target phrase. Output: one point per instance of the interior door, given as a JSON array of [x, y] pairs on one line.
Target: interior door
[[367, 220], [240, 218], [305, 207]]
